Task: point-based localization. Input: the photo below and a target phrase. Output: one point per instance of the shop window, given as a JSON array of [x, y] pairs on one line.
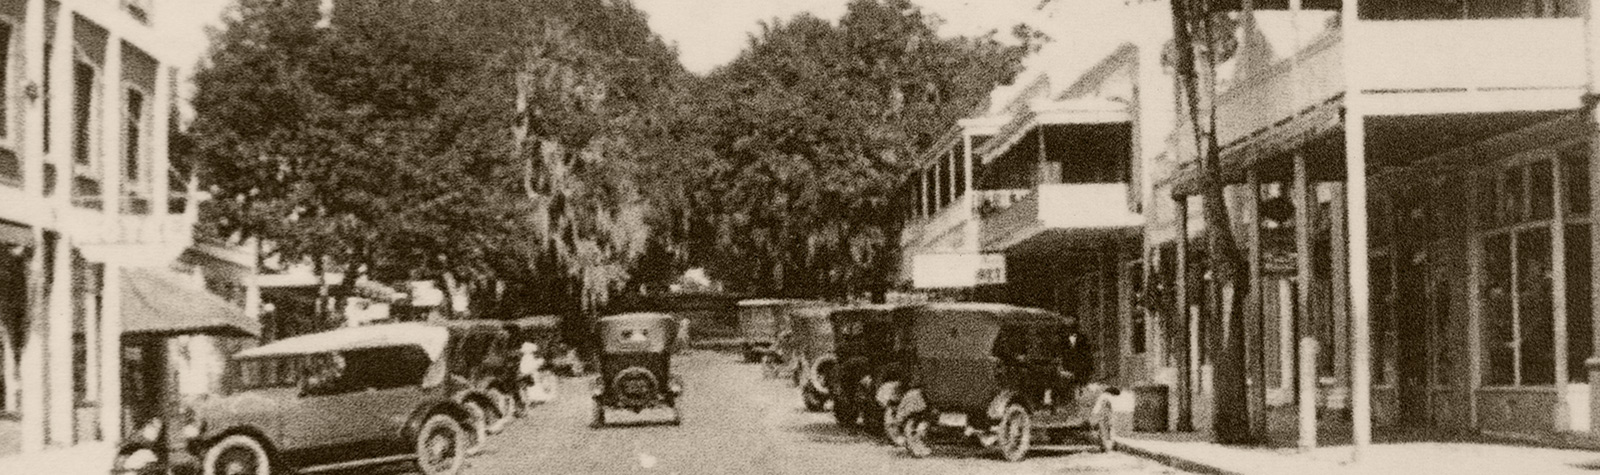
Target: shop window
[[1382, 313], [1580, 332], [1519, 271], [1133, 274], [1575, 180]]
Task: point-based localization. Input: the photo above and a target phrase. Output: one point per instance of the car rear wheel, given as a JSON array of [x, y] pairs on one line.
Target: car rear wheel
[[479, 432], [1016, 433], [237, 455], [441, 444]]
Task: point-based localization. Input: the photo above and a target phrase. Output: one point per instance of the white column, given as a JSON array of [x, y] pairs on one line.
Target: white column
[[160, 107], [111, 354], [31, 367], [111, 129], [974, 230], [1305, 335], [58, 351], [1355, 139]]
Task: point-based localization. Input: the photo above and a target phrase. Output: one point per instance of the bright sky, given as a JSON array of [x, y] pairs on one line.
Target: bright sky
[[710, 33]]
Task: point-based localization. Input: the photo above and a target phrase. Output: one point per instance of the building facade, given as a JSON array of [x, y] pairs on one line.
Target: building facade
[[85, 195], [1449, 288]]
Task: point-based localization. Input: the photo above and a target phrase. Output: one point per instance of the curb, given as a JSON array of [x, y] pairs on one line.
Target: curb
[[1174, 461]]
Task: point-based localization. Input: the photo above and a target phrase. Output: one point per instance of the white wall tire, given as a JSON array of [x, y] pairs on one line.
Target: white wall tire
[[237, 455], [441, 446]]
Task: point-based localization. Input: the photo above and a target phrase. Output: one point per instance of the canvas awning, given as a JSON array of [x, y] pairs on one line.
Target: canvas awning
[[155, 302]]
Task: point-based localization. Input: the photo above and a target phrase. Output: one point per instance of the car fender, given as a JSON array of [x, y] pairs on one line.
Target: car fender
[[815, 376], [911, 402], [997, 406], [421, 414]]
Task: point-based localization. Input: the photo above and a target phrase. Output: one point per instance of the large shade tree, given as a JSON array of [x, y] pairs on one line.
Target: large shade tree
[[809, 132], [472, 140]]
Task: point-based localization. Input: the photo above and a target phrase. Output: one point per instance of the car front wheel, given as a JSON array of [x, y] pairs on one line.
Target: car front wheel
[[441, 446], [1016, 433], [237, 455], [479, 432]]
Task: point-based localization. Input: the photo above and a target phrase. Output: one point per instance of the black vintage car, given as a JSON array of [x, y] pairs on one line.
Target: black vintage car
[[480, 362], [809, 346], [865, 342], [998, 373], [636, 365]]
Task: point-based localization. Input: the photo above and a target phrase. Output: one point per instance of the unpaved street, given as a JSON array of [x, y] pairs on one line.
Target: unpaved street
[[737, 423]]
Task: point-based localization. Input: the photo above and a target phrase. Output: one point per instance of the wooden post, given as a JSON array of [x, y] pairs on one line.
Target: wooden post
[[1256, 359], [58, 351], [1592, 116], [1188, 371], [1306, 373], [1355, 140]]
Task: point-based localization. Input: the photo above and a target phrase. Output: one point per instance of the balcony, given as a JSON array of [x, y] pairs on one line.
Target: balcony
[[154, 234], [944, 231], [1406, 67], [1066, 214]]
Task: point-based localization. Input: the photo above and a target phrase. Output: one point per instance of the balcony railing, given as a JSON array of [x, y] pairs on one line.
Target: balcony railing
[[1062, 206], [95, 227]]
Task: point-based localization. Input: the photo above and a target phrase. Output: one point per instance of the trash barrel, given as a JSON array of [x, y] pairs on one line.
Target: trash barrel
[[1150, 408]]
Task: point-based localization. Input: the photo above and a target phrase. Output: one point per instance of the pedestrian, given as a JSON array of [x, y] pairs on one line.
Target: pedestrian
[[529, 367], [1075, 364]]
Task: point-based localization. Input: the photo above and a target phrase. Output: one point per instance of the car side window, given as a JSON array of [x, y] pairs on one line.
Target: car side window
[[385, 368]]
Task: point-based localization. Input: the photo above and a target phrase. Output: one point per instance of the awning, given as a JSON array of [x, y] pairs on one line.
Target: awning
[[155, 302]]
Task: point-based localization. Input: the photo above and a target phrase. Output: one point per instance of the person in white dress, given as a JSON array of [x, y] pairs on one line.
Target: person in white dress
[[533, 376]]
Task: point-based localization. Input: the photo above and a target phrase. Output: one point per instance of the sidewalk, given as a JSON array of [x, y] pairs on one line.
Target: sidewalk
[[1195, 453]]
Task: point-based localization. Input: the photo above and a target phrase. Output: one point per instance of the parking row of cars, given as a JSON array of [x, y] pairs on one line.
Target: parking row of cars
[[1001, 376], [424, 393]]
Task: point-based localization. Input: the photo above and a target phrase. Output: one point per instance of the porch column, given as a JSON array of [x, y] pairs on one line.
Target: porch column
[[1256, 358], [111, 117], [59, 349], [974, 202], [111, 354], [1592, 116], [1355, 140], [1188, 370], [1306, 342], [31, 364]]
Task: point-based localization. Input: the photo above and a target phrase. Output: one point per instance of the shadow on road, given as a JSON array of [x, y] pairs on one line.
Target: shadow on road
[[831, 433]]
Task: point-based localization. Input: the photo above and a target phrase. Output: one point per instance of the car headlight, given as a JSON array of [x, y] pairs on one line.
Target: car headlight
[[151, 431], [137, 460]]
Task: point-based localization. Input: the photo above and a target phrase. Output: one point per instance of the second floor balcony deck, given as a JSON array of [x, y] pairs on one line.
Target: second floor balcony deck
[[1067, 214]]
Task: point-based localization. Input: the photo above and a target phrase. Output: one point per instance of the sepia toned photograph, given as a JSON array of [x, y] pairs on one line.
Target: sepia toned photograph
[[799, 237]]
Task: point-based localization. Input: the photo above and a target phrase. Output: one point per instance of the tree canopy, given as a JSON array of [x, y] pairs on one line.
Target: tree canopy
[[811, 130]]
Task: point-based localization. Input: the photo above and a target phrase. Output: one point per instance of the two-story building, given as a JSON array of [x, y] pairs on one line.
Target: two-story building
[[91, 217]]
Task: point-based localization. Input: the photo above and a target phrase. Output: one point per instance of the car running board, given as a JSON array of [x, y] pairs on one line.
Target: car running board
[[356, 463]]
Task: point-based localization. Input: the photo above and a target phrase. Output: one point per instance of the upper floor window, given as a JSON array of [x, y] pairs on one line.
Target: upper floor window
[[135, 116], [10, 162], [83, 86]]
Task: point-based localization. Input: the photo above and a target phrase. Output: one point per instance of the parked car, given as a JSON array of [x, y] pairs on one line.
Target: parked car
[[810, 347], [763, 324], [347, 397], [995, 372], [636, 365], [481, 365], [865, 344]]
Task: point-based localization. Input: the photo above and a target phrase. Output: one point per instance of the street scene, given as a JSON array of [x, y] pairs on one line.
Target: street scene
[[457, 237]]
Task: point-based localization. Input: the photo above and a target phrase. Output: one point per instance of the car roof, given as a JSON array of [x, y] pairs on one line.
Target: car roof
[[431, 338], [637, 317], [778, 302], [997, 313]]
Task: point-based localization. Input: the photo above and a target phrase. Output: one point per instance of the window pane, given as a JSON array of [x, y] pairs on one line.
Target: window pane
[[82, 93], [1541, 191], [1443, 352], [1498, 337], [1488, 204], [1382, 312], [1511, 199], [1535, 313], [134, 119], [1575, 179], [5, 78], [1580, 333]]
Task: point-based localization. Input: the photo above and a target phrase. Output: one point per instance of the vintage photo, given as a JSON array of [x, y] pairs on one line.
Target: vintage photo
[[506, 237]]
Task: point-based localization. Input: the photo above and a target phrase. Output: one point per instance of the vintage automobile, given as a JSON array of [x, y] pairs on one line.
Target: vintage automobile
[[809, 346], [762, 325], [636, 365], [480, 364], [995, 372], [545, 331], [865, 344], [347, 397]]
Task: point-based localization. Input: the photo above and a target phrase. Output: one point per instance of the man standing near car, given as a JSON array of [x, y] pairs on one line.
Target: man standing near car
[[1075, 364]]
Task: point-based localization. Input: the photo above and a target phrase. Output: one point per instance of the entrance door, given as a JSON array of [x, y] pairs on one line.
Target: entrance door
[[1412, 309]]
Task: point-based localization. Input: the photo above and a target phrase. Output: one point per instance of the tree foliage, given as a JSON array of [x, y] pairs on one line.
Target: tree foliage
[[390, 137], [809, 132]]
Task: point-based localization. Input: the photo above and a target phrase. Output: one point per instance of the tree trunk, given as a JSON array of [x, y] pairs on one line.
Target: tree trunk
[[1231, 419]]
